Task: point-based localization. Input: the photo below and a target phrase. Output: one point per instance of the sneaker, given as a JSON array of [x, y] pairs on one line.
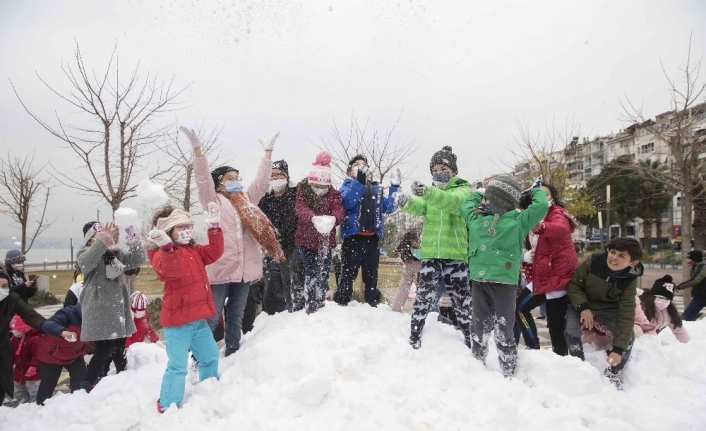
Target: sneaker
[[86, 386], [415, 340], [615, 378]]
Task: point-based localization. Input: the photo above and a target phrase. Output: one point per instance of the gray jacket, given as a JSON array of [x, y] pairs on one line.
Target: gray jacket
[[104, 302]]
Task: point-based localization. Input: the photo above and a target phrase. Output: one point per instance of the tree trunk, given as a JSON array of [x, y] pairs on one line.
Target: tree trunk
[[647, 244]]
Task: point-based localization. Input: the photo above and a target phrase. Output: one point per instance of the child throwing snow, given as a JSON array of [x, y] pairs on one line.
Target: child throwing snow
[[602, 294], [655, 310], [138, 306], [181, 265], [319, 211], [444, 242], [497, 235]]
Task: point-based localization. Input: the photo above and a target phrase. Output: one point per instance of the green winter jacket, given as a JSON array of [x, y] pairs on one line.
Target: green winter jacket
[[496, 258], [592, 288], [444, 234]]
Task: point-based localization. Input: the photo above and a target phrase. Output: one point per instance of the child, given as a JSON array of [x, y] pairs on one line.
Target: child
[[317, 204], [59, 348], [24, 348], [15, 262], [444, 242], [410, 252], [655, 311], [181, 265], [138, 305], [602, 294], [496, 237]]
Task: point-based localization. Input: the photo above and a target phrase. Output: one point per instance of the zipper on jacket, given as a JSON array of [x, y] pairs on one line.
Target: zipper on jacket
[[438, 239]]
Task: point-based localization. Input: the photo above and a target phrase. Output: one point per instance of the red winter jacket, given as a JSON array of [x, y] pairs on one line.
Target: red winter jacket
[[25, 356], [144, 330], [187, 293], [555, 258]]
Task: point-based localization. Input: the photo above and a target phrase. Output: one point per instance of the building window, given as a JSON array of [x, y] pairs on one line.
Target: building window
[[647, 148]]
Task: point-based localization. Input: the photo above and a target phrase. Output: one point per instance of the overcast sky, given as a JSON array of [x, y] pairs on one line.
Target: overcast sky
[[462, 72]]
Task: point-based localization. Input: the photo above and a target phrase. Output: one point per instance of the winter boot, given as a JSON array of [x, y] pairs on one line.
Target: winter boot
[[230, 351], [615, 378]]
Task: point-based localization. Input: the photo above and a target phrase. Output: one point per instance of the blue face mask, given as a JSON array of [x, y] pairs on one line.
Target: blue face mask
[[416, 252], [4, 293], [233, 186], [441, 177]]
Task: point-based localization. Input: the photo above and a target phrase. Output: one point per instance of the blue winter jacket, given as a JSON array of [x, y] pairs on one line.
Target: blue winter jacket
[[63, 319], [352, 195]]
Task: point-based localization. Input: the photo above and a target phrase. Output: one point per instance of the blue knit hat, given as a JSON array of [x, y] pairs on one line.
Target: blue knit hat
[[14, 256]]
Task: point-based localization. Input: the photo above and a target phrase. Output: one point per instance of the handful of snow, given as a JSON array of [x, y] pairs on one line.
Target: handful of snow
[[126, 217], [151, 194], [324, 224]]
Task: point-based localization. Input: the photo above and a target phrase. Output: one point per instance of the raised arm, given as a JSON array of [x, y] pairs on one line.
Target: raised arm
[[89, 259], [351, 193], [447, 200], [536, 211], [469, 205], [555, 225], [388, 202]]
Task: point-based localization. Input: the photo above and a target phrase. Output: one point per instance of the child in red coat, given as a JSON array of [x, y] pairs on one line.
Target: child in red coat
[[138, 305], [24, 348], [181, 265]]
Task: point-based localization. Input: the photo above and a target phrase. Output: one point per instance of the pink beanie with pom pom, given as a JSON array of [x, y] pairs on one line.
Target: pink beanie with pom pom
[[320, 172]]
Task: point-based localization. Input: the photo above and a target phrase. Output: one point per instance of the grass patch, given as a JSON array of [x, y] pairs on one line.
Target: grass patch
[[60, 281]]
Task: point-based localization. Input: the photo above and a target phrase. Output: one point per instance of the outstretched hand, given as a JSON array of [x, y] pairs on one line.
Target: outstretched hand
[[193, 137], [395, 177], [418, 188], [269, 143]]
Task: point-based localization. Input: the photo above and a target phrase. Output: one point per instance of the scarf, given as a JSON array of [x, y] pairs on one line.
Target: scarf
[[258, 224], [311, 199]]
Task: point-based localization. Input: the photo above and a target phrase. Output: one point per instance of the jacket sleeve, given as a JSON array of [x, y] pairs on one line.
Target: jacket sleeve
[[577, 285], [444, 200], [415, 206], [555, 225], [680, 333], [626, 318], [167, 265], [337, 209], [696, 278], [351, 193], [214, 250], [92, 257], [24, 291], [57, 323], [261, 183], [641, 322], [133, 257], [204, 182], [388, 203], [304, 213], [27, 313], [469, 205], [535, 212]]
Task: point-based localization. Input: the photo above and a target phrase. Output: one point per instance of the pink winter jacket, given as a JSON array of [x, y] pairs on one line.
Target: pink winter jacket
[[241, 259], [660, 321]]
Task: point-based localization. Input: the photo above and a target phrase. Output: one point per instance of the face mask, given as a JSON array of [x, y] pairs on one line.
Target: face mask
[[233, 186], [16, 333], [320, 192], [441, 177], [184, 237], [4, 293], [416, 252], [278, 185], [140, 314], [18, 267], [662, 303]]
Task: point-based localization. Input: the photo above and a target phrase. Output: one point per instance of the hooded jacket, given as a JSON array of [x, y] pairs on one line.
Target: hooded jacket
[[697, 280], [25, 355], [555, 258], [592, 288], [444, 234], [352, 197]]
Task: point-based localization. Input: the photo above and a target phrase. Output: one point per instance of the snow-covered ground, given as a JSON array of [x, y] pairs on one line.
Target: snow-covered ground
[[350, 368]]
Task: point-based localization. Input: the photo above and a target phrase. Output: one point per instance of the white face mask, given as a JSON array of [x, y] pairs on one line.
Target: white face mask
[[320, 192], [16, 333], [278, 185], [184, 237], [662, 303], [140, 314], [4, 293], [18, 267]]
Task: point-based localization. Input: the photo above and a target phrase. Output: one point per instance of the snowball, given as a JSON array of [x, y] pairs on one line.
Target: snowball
[[125, 217], [324, 224], [151, 194], [17, 243]]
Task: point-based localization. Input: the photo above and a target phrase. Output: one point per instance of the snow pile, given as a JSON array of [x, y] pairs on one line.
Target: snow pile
[[351, 368], [151, 194]]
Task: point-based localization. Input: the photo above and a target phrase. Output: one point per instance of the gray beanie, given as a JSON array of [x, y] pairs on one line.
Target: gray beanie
[[503, 193], [14, 256]]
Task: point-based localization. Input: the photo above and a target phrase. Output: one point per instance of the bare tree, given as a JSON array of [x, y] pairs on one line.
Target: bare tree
[[180, 177], [384, 152], [116, 131], [25, 191], [678, 129]]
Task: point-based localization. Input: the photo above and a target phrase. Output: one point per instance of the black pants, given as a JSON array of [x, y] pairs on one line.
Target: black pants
[[102, 355], [359, 251], [250, 313], [51, 374], [556, 323]]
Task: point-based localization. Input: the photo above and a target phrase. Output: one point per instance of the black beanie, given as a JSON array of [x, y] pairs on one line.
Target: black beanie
[[695, 255], [445, 157], [88, 226], [663, 287], [356, 158], [282, 166], [218, 173]]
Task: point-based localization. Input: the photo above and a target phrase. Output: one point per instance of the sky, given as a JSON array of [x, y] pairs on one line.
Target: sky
[[455, 73], [352, 368]]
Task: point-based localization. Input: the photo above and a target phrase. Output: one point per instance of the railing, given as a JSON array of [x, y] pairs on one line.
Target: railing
[[56, 265]]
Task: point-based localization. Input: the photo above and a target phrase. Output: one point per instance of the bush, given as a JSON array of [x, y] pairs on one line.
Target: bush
[[42, 298], [154, 308]]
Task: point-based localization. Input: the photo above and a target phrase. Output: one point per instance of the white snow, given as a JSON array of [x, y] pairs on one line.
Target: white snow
[[324, 223], [150, 194], [125, 217], [351, 368]]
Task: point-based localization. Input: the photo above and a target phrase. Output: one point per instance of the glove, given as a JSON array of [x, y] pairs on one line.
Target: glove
[[31, 372], [269, 143], [395, 177], [132, 239], [193, 138], [418, 188], [213, 216], [160, 238], [537, 183], [481, 190], [362, 174], [401, 198]]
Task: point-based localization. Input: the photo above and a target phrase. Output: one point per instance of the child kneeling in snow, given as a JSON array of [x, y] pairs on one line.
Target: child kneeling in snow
[[181, 265]]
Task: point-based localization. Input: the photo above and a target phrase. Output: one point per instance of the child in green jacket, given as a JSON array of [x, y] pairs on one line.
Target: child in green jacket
[[444, 242], [496, 237], [602, 294]]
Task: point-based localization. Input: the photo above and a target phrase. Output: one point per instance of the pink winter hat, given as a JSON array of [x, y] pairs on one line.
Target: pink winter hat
[[320, 172], [18, 324]]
